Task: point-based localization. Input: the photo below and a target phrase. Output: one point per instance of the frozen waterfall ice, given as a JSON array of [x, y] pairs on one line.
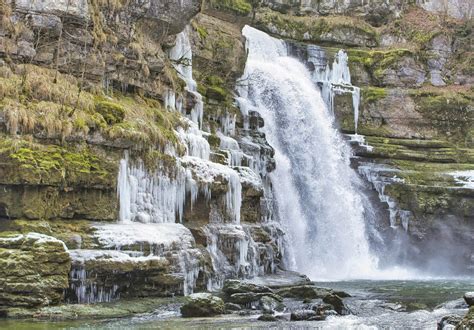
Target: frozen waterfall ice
[[182, 56], [334, 79], [315, 187]]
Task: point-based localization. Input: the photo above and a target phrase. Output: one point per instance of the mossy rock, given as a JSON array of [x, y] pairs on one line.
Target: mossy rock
[[331, 30], [238, 7], [373, 94], [202, 305], [113, 113], [34, 270], [452, 114], [28, 162]]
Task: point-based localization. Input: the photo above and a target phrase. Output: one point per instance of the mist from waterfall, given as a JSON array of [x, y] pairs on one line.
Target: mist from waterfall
[[315, 187]]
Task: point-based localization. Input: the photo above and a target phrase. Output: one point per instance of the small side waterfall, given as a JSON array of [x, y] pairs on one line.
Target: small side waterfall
[[334, 79], [182, 56], [315, 188]]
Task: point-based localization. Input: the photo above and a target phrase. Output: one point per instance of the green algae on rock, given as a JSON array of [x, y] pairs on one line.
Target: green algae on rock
[[34, 270]]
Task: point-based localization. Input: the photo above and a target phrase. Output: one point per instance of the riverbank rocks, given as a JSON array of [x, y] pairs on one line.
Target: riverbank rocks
[[33, 270], [323, 309], [250, 298], [337, 303], [202, 305], [468, 320], [306, 315], [448, 321], [469, 298], [236, 286], [269, 305], [303, 292]]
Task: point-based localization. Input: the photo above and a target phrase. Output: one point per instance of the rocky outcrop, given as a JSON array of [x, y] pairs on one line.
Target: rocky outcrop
[[469, 298], [334, 30], [34, 270], [377, 12], [202, 305], [468, 321]]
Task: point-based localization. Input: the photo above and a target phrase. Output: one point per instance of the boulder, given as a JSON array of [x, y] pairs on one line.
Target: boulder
[[306, 315], [248, 298], [34, 270], [469, 298], [269, 305], [229, 307], [202, 305], [468, 320], [323, 309], [303, 292], [267, 318], [448, 321], [236, 286], [337, 303]]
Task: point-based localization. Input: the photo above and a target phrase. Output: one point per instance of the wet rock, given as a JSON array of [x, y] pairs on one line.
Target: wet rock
[[469, 298], [249, 298], [337, 303], [269, 305], [236, 286], [232, 307], [468, 320], [267, 318], [323, 309], [342, 294], [306, 315], [304, 292], [448, 321], [202, 305]]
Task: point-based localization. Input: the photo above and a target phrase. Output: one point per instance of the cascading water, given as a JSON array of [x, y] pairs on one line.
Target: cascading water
[[335, 79], [314, 185], [182, 56]]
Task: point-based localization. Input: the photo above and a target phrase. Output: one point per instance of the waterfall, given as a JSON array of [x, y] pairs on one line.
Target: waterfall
[[335, 79], [315, 188]]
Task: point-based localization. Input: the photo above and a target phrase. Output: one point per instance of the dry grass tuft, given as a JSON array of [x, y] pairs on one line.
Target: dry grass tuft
[[34, 104]]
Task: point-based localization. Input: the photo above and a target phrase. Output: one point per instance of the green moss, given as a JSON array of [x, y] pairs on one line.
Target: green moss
[[216, 93], [113, 113], [376, 62], [450, 113], [373, 94], [214, 141], [120, 308], [240, 7], [318, 29], [51, 164]]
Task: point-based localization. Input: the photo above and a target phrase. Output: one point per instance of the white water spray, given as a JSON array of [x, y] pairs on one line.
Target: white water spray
[[314, 185]]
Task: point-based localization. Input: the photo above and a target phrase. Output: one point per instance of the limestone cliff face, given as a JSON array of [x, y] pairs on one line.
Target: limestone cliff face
[[90, 86], [84, 82]]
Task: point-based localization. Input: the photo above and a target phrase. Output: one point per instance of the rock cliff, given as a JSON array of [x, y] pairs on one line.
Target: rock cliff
[[103, 98]]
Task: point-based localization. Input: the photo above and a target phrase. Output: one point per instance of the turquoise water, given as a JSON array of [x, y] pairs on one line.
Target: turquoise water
[[375, 304]]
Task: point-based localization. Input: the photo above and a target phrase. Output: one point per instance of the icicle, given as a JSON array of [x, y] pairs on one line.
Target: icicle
[[182, 56], [335, 80], [150, 197], [193, 139]]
